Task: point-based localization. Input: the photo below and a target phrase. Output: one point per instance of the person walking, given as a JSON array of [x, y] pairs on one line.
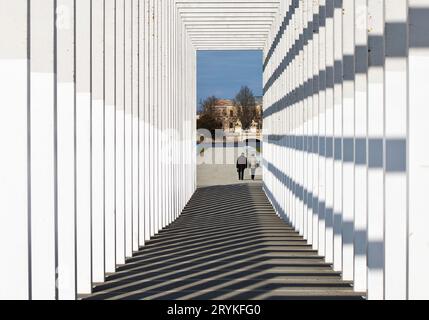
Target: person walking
[[253, 165], [241, 166]]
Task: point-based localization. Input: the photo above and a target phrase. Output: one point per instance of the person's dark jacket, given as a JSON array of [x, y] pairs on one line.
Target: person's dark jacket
[[242, 162]]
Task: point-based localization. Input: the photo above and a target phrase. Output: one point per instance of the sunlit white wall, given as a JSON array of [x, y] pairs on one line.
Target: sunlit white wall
[[97, 136], [345, 131]]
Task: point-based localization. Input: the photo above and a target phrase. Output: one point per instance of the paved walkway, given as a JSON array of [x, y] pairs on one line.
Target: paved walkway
[[218, 167], [228, 244], [223, 175]]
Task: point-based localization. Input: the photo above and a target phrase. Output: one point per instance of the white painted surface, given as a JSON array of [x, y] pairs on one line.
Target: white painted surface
[[376, 174], [98, 149], [66, 192], [83, 196], [83, 149], [43, 244], [119, 223], [396, 223], [109, 136], [418, 278], [120, 136], [13, 174], [66, 155], [98, 209], [128, 133]]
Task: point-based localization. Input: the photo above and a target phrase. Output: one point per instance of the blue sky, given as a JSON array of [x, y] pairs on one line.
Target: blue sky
[[222, 73]]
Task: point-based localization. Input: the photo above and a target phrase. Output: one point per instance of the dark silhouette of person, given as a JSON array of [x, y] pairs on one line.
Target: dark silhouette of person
[[241, 166]]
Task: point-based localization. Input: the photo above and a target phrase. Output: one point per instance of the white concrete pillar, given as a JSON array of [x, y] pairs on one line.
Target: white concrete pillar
[[376, 153], [163, 95], [361, 131], [418, 258], [338, 135], [120, 132], [142, 104], [170, 32], [306, 69], [83, 148], [135, 123], [128, 103], [348, 138], [291, 107], [310, 66], [322, 127], [329, 133], [298, 122], [147, 130], [65, 146], [109, 134], [43, 240], [151, 119], [316, 126], [97, 142], [155, 111], [396, 92], [14, 210]]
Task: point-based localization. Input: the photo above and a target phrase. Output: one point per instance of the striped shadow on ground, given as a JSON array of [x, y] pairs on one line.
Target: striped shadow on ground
[[228, 245]]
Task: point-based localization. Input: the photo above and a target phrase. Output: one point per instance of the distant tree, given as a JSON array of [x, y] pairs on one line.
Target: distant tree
[[246, 107], [209, 104], [209, 118]]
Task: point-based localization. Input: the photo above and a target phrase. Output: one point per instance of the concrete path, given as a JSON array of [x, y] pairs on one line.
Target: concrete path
[[218, 167], [228, 244], [221, 175]]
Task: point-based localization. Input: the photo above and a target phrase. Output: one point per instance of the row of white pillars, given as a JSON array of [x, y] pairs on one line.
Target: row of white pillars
[[345, 157], [97, 132]]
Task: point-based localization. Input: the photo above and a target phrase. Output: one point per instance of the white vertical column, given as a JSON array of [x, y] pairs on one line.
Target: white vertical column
[[14, 213], [396, 149], [156, 117], [42, 151], [109, 134], [316, 126], [418, 280], [65, 144], [167, 155], [161, 107], [282, 47], [310, 121], [361, 125], [170, 33], [128, 130], [299, 125], [302, 108], [97, 130], [151, 109], [376, 150], [142, 104], [322, 127], [305, 118], [348, 141], [135, 124], [83, 147], [147, 113], [338, 133], [179, 118], [292, 122], [120, 132], [329, 144]]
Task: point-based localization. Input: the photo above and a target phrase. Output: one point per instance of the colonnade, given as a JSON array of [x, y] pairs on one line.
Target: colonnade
[[97, 130], [345, 146]]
